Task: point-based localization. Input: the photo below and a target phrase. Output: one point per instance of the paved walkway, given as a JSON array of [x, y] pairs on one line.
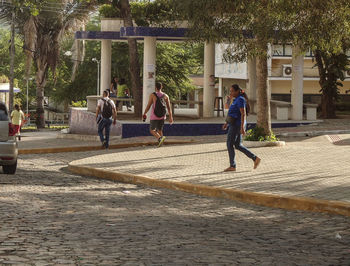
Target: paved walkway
[[313, 167]]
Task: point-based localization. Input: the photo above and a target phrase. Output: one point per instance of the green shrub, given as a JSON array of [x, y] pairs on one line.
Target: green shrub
[[108, 11], [79, 104], [258, 134]]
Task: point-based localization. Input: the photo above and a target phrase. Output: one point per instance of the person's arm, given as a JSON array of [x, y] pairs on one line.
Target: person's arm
[[150, 102], [114, 115], [98, 109], [242, 110], [168, 105], [126, 91], [111, 88], [22, 118]]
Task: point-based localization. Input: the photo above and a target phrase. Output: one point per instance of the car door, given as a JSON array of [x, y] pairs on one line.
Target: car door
[[4, 126]]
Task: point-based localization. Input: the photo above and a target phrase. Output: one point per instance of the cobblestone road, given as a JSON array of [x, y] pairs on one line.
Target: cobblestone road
[[50, 217]]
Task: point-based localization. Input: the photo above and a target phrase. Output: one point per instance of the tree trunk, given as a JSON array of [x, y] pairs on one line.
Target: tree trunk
[[12, 63], [327, 103], [263, 101], [136, 85], [40, 83]]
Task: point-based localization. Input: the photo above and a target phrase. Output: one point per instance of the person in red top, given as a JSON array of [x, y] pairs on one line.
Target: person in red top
[[157, 123]]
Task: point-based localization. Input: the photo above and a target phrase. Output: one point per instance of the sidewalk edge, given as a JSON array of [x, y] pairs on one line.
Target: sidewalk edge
[[313, 133], [268, 200], [92, 148]]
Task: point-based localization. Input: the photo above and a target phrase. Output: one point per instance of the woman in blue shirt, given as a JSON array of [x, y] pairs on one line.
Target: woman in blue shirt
[[236, 127]]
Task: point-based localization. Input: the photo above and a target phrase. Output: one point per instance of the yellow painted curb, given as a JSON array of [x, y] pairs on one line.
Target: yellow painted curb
[[92, 148], [268, 200]]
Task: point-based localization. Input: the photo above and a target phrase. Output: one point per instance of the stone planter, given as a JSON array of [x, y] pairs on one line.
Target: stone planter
[[256, 144]]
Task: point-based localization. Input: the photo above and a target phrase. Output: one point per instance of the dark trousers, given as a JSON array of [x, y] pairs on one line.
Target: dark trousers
[[234, 141], [105, 124]]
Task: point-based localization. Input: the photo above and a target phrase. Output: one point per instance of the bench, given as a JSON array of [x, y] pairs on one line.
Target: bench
[[279, 109], [92, 101], [311, 111], [199, 103], [282, 110]]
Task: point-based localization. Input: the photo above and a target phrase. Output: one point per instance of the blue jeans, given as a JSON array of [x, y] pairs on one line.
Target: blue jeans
[[127, 103], [234, 140], [106, 125]]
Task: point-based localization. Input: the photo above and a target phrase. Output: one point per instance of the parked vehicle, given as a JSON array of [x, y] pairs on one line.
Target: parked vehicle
[[8, 143]]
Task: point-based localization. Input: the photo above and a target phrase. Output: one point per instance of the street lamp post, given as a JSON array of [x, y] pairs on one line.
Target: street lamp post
[[98, 75]]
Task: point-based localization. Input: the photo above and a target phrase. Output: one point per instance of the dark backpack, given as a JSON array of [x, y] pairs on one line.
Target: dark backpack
[[159, 108], [107, 110]]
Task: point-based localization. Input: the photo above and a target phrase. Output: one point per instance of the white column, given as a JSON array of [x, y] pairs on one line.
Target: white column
[[297, 83], [149, 69], [252, 78], [106, 63], [209, 79]]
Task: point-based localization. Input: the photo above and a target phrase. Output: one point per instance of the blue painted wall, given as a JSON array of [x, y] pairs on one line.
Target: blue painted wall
[[136, 130]]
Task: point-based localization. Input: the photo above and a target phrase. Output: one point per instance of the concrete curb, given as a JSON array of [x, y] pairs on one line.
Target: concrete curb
[[93, 148], [312, 133], [268, 200], [85, 137], [257, 144]]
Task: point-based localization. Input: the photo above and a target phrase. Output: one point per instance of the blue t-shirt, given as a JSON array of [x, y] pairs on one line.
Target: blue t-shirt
[[234, 111]]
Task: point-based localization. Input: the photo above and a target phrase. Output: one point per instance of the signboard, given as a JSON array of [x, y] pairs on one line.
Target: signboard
[[228, 70]]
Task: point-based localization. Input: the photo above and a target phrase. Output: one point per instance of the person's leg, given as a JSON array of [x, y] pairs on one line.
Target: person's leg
[[119, 105], [16, 127], [248, 153], [239, 146], [153, 129], [107, 130], [160, 132], [101, 126], [128, 104], [231, 136]]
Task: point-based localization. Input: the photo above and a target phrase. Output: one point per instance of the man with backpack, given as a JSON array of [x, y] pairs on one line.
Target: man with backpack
[[104, 112], [159, 102]]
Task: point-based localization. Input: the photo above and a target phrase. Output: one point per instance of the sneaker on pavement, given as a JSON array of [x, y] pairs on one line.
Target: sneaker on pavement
[[161, 141], [104, 144]]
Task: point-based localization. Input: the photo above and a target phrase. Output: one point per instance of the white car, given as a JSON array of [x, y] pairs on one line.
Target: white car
[[8, 143]]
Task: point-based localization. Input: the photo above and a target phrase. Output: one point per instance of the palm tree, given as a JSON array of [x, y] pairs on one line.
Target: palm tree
[[43, 25]]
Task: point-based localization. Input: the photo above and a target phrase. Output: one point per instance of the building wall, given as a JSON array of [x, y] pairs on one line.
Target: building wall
[[281, 85], [310, 87], [277, 67]]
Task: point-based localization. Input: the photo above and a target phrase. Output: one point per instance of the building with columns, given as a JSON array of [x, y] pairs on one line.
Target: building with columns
[[292, 77], [113, 30]]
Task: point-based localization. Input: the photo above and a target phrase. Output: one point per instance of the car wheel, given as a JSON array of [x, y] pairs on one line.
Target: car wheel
[[10, 169]]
